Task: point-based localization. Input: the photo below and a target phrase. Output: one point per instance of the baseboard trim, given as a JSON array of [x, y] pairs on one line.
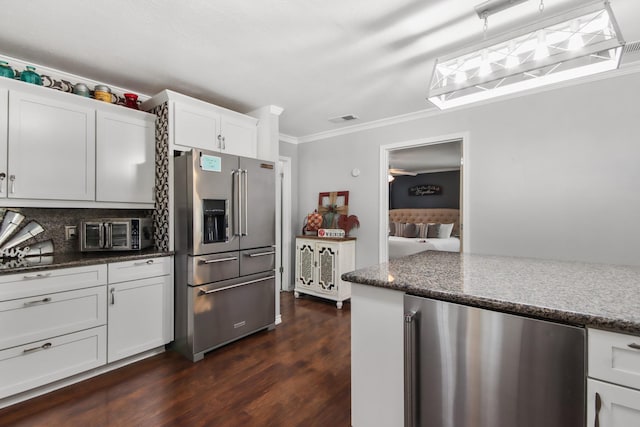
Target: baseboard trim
[[47, 388]]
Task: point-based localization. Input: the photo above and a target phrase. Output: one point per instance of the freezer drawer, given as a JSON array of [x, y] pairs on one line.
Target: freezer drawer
[[466, 366], [213, 268], [257, 260], [223, 314]]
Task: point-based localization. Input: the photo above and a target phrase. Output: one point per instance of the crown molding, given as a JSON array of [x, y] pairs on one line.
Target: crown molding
[[290, 139], [274, 109], [631, 68]]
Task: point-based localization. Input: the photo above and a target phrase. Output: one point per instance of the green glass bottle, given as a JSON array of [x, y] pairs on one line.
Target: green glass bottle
[[30, 76], [6, 70]]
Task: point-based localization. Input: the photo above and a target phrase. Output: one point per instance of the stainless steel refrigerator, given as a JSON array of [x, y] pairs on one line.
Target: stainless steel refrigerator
[[225, 249], [466, 366]]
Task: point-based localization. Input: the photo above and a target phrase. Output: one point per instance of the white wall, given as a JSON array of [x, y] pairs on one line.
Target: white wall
[[291, 150], [552, 175]]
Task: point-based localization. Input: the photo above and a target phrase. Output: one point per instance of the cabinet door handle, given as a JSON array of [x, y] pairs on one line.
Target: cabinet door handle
[[220, 142], [2, 177], [38, 302], [634, 346], [147, 262], [44, 346], [12, 178], [113, 296], [224, 143], [598, 406], [36, 276]]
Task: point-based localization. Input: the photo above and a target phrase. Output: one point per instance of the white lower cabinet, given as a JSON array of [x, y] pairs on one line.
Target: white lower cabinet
[[31, 365], [30, 319], [612, 405], [319, 264], [140, 306], [57, 323], [136, 313], [613, 386]]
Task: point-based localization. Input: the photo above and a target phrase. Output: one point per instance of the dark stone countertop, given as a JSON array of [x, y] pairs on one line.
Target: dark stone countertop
[[74, 259], [595, 295]]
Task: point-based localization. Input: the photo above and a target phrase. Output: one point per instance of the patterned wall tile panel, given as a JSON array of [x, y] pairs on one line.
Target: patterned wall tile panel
[[161, 212]]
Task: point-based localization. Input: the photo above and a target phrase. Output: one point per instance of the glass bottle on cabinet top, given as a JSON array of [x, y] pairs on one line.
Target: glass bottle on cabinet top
[[6, 70], [30, 76]]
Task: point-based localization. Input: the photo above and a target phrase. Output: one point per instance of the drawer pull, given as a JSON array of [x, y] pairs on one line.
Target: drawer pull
[[113, 296], [213, 291], [37, 276], [44, 346], [212, 261], [261, 254], [634, 346], [38, 302], [147, 262]]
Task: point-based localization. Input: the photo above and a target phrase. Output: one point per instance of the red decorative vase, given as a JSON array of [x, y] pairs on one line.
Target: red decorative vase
[[131, 100]]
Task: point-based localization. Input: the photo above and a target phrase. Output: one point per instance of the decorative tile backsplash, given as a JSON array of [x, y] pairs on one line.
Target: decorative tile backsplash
[[53, 221], [161, 212]]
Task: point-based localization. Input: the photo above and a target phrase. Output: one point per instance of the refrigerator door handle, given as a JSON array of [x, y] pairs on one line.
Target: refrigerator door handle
[[409, 370], [237, 205], [245, 203]]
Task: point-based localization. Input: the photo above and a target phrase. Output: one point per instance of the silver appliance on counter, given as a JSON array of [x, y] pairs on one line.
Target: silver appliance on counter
[[225, 249], [466, 366], [116, 234]]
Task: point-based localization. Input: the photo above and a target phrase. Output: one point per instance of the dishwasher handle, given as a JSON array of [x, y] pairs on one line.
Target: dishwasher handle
[[410, 394]]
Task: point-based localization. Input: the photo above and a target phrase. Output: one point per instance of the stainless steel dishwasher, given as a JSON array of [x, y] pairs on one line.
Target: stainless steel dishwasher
[[471, 367]]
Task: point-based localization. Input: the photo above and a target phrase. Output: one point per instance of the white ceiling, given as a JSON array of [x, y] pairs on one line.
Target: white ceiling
[[315, 58]]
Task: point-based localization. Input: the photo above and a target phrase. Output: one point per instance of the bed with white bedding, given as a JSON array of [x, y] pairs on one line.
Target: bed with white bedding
[[405, 244]]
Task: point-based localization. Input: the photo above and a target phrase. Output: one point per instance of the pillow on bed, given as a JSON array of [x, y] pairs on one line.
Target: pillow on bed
[[399, 227], [422, 230], [410, 230], [392, 228], [439, 231]]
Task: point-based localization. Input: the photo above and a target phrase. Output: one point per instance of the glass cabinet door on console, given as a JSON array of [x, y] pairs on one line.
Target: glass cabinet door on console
[[319, 264]]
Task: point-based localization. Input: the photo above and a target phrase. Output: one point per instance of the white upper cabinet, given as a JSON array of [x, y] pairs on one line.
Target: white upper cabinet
[[239, 135], [196, 127], [63, 150], [125, 157], [197, 124], [51, 148]]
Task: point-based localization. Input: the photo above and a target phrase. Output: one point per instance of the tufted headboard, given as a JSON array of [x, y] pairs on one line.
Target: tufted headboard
[[427, 215]]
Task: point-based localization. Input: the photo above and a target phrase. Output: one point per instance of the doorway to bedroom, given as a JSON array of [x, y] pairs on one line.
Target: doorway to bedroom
[[424, 186]]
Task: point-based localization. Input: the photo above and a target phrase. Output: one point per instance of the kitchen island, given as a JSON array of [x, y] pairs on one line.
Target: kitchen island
[[596, 296]]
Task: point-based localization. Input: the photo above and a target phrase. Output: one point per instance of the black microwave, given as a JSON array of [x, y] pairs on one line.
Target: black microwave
[[116, 234]]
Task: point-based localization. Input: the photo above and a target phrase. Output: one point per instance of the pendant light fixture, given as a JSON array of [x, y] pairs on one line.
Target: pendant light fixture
[[578, 43]]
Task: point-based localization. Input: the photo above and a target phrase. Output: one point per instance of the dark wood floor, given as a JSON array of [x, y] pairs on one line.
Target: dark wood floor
[[297, 375]]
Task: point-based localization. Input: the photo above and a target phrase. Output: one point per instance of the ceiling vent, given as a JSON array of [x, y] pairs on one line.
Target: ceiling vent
[[345, 118], [631, 52]]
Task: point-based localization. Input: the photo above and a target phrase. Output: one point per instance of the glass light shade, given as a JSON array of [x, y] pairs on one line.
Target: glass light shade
[[580, 43]]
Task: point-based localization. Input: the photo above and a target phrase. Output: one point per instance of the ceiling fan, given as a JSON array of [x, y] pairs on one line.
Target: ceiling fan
[[398, 171]]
